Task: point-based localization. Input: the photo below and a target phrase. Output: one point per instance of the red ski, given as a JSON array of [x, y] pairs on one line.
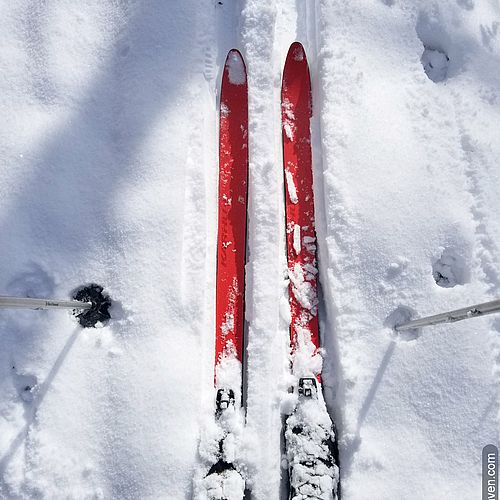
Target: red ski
[[296, 109], [309, 435], [232, 223], [224, 478]]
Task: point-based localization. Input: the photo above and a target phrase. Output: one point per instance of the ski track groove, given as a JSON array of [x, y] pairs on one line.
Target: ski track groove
[[333, 385], [336, 234], [200, 211], [286, 17], [258, 27], [486, 248]]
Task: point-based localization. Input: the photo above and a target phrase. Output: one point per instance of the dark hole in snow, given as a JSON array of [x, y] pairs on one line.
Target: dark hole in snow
[[435, 63], [442, 280], [297, 429], [25, 385], [219, 467], [449, 270], [326, 461], [99, 312]]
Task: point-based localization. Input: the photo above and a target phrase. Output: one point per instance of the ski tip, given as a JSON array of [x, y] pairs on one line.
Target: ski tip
[[234, 68], [296, 53]]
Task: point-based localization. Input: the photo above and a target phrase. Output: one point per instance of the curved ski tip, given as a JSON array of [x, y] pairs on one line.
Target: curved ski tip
[[235, 68], [296, 52]]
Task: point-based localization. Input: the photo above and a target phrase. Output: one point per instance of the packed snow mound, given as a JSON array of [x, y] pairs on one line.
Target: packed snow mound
[[221, 441], [310, 438], [225, 485]]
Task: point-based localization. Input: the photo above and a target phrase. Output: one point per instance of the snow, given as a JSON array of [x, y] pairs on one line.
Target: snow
[[435, 64], [290, 185], [228, 325], [307, 433], [296, 238], [303, 290], [306, 360], [108, 147], [229, 484], [288, 116], [236, 69], [229, 370]]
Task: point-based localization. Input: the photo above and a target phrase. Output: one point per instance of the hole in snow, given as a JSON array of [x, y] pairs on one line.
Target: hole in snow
[[435, 63], [439, 48], [33, 282], [400, 315], [98, 314], [449, 270], [25, 384]]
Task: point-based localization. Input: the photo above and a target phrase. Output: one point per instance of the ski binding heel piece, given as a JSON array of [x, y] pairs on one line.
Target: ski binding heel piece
[[308, 387], [225, 399]]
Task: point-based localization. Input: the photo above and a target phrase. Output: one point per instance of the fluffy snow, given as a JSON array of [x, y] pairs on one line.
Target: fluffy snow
[[308, 432], [229, 370], [228, 484], [108, 147], [306, 359], [288, 116], [303, 290]]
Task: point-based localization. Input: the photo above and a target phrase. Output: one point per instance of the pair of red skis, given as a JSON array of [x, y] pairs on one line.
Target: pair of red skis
[[309, 436]]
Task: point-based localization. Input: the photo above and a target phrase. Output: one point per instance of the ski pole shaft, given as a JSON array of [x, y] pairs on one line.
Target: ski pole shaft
[[452, 316], [28, 303]]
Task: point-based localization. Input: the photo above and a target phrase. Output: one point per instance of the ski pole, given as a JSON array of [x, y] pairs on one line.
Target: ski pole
[[28, 303], [90, 305], [452, 316]]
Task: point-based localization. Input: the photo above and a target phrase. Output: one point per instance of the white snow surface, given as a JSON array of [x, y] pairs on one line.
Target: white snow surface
[[236, 69], [108, 150], [311, 479]]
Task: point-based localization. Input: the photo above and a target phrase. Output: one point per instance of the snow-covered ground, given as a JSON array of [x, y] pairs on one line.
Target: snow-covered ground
[[108, 158]]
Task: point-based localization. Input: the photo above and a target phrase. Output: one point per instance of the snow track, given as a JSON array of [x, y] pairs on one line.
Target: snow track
[[265, 283], [108, 162]]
